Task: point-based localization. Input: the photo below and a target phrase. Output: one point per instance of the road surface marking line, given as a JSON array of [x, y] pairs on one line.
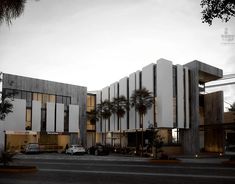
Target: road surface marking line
[[137, 165], [139, 173]]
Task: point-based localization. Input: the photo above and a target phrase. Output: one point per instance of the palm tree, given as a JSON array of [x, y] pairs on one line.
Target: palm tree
[[120, 107], [11, 9], [142, 100], [104, 110]]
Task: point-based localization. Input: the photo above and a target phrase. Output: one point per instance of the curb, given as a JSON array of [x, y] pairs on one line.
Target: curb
[[165, 161], [18, 169]]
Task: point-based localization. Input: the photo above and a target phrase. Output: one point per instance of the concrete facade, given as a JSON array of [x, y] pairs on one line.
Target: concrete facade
[[200, 73], [45, 105], [48, 108], [176, 90]]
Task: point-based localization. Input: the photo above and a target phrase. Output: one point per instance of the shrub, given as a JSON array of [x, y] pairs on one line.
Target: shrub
[[6, 157]]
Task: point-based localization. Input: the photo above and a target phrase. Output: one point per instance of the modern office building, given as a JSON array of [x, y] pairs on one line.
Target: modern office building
[[182, 111], [54, 114], [49, 113]]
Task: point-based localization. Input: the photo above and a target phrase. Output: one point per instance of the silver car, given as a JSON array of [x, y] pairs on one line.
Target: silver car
[[75, 149]]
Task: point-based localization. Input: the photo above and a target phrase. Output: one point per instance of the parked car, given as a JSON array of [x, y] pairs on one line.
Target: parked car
[[75, 149], [98, 149], [230, 150], [32, 148]]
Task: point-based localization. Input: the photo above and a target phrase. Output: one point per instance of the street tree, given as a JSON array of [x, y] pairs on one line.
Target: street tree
[[222, 9], [120, 107], [232, 107], [142, 100], [104, 111], [11, 9]]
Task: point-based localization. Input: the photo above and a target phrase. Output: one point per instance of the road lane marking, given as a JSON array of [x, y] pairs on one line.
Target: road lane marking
[[136, 165], [139, 173]]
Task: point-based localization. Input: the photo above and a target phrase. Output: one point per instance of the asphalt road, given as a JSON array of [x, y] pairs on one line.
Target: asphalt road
[[101, 171]]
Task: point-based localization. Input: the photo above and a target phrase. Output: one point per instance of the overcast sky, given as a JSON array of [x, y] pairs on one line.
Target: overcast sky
[[94, 43]]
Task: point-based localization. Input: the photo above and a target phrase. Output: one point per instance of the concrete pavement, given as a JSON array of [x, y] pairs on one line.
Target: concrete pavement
[[200, 159]]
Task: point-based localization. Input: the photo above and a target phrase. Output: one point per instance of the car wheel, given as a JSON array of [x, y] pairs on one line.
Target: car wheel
[[96, 152]]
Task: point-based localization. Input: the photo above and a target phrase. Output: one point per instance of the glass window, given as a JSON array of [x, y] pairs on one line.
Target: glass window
[[39, 97], [59, 99], [28, 119], [92, 101], [43, 120], [29, 96], [29, 99], [64, 100], [23, 95], [88, 100], [8, 92], [66, 121], [28, 115], [45, 98], [52, 98], [17, 94], [35, 96], [68, 100]]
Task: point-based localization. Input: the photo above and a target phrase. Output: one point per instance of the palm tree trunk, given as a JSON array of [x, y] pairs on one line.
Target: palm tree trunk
[[142, 137], [105, 133], [136, 140], [120, 133]]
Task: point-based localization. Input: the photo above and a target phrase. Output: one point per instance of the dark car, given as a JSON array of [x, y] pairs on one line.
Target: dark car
[[98, 149]]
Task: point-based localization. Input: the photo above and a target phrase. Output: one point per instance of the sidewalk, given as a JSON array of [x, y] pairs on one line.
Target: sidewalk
[[200, 159], [204, 160], [59, 156]]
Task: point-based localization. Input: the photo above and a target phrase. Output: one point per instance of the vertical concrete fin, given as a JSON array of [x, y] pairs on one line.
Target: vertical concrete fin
[[36, 116], [180, 96], [59, 117], [164, 94]]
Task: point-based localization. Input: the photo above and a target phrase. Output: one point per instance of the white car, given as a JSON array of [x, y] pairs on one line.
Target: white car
[[32, 148], [75, 149]]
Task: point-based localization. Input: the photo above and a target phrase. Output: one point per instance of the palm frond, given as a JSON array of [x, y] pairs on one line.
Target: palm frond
[[142, 100], [120, 106], [11, 9]]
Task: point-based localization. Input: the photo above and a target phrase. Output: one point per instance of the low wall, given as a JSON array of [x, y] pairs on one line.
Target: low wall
[[172, 149]]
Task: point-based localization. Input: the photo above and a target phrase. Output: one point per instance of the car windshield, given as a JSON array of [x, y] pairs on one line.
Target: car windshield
[[33, 145], [76, 146]]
